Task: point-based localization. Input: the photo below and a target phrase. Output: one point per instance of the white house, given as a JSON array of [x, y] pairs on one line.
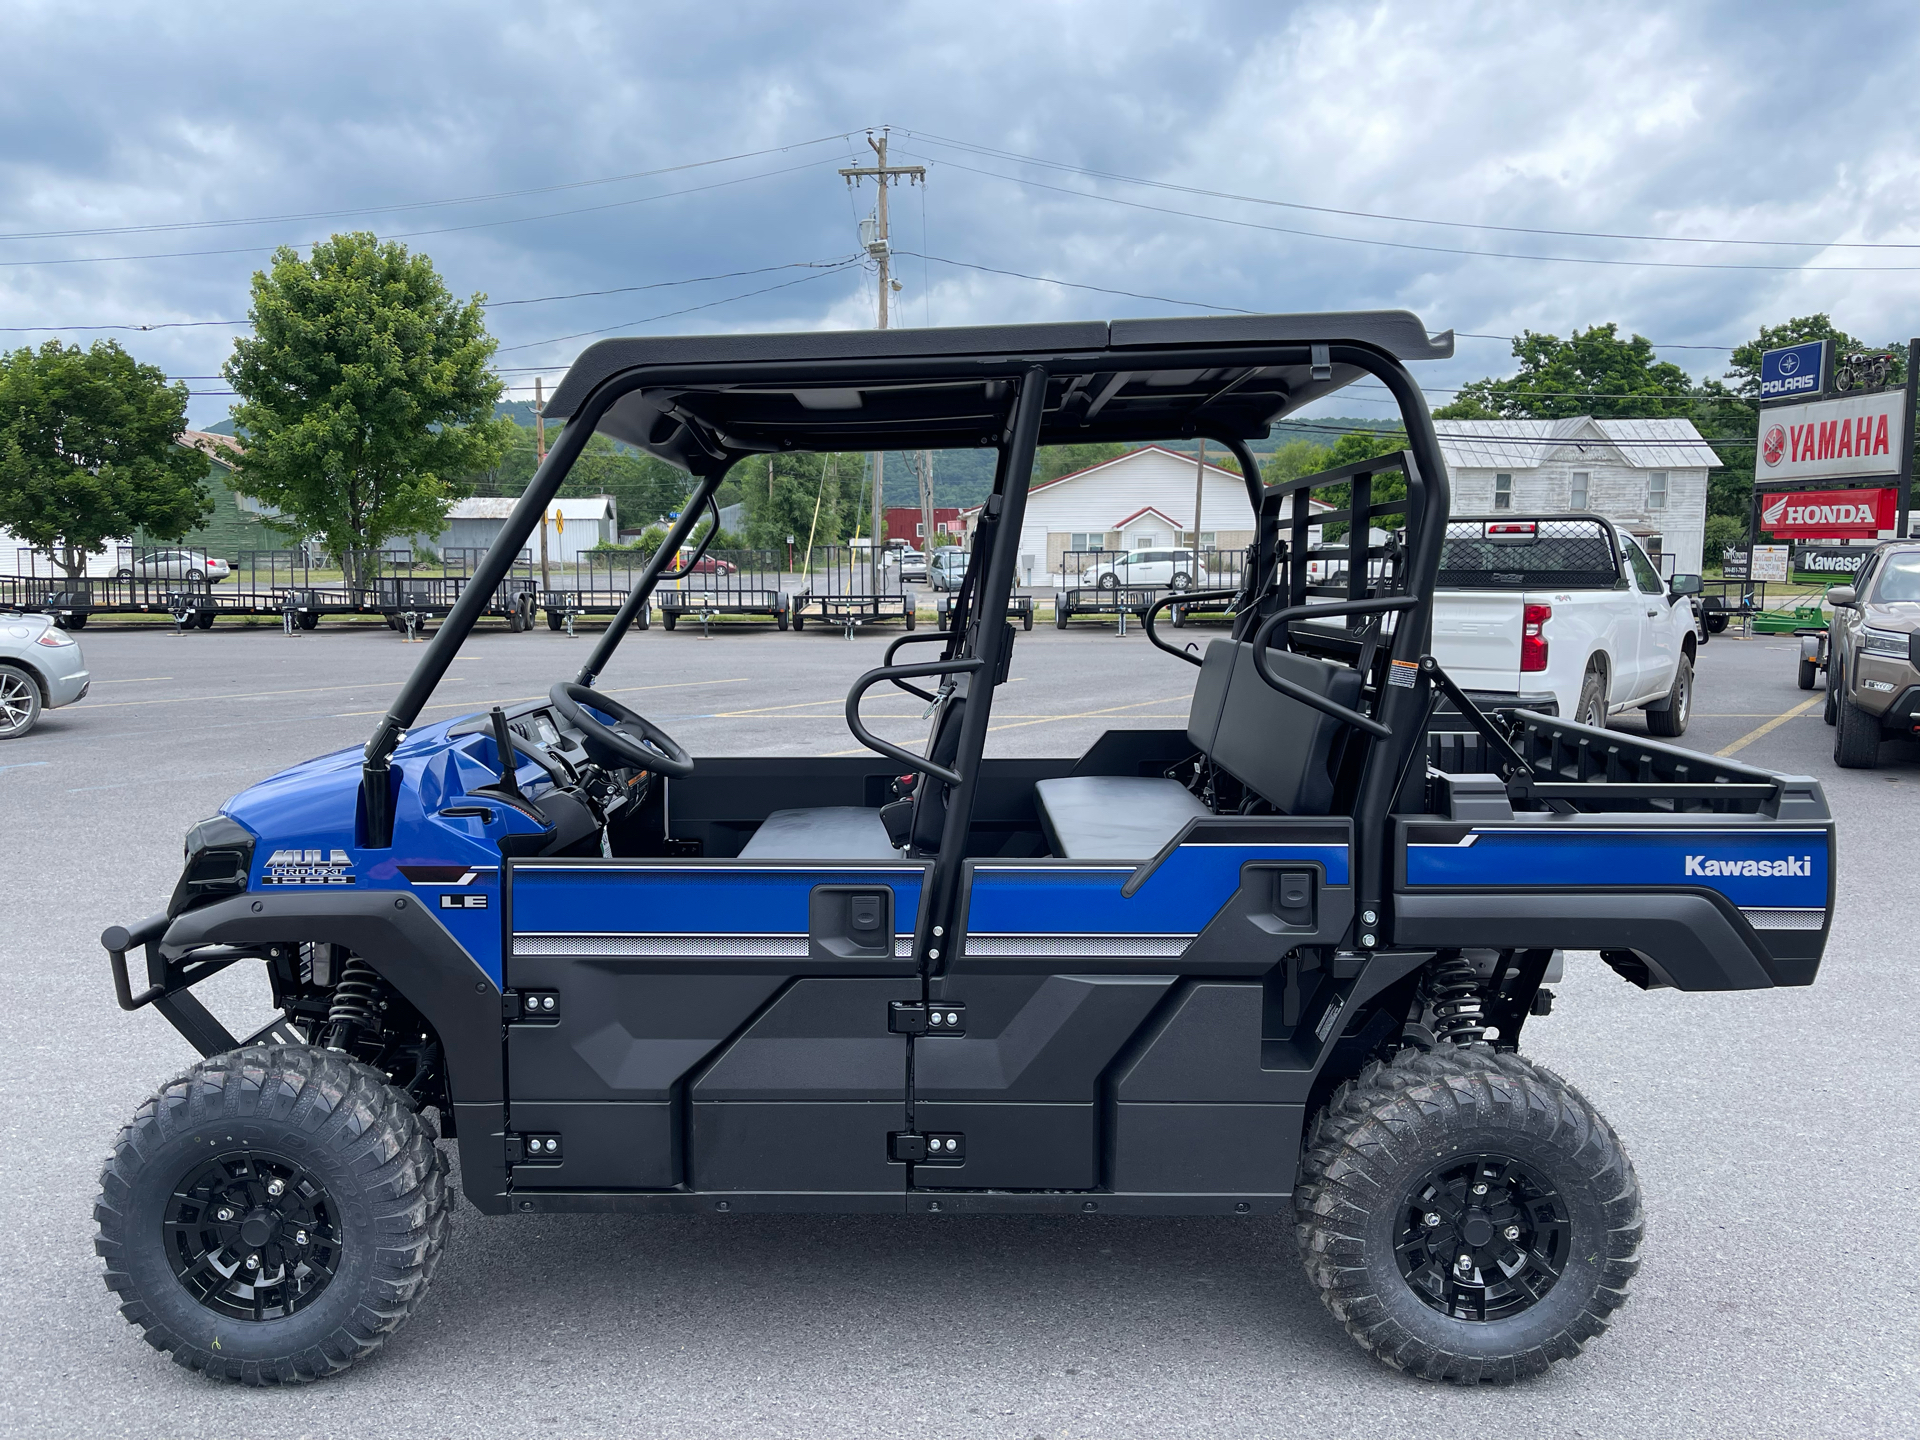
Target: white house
[[1142, 500], [1647, 476], [573, 525]]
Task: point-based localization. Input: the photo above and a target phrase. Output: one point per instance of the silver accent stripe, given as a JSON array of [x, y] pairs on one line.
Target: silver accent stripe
[[694, 946], [1785, 919], [1150, 946]]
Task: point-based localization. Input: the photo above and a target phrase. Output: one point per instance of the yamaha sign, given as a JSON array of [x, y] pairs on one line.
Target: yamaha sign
[[1856, 435], [1797, 372]]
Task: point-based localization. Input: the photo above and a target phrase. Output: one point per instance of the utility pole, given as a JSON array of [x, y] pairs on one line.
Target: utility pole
[[539, 459], [1904, 478], [923, 469], [873, 235]]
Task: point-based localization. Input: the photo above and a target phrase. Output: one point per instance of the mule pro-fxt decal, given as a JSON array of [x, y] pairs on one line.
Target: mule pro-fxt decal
[[308, 866]]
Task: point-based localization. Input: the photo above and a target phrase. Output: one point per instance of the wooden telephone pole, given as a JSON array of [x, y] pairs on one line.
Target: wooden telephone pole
[[873, 235]]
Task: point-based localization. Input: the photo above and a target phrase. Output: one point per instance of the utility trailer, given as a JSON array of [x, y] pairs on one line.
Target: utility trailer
[[725, 582], [850, 587], [411, 592], [1278, 963], [602, 580]]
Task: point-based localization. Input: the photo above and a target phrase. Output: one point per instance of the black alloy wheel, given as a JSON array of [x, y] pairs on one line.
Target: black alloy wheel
[[252, 1235], [1482, 1237]]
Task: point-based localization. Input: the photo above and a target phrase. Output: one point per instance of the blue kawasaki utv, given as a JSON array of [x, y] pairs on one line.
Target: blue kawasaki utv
[[1277, 963]]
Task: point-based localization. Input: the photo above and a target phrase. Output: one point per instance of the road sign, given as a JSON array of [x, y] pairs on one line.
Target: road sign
[[1829, 559], [1769, 562], [1795, 372], [1857, 435]]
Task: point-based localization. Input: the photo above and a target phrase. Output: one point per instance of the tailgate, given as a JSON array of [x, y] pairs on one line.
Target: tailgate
[[1476, 638]]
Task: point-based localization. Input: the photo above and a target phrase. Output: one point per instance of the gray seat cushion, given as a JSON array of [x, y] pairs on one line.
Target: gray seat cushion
[[1113, 817], [830, 832]]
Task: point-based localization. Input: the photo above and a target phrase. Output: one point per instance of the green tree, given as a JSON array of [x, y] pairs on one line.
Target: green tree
[[1594, 372], [89, 452], [1050, 462], [800, 495], [1292, 460], [365, 391]]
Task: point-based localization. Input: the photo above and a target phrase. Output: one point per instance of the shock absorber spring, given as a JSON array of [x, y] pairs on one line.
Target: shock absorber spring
[[1453, 993], [356, 1004]]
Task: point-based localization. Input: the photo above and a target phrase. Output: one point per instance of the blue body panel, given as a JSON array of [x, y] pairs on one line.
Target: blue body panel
[[692, 897], [1753, 866], [1179, 898]]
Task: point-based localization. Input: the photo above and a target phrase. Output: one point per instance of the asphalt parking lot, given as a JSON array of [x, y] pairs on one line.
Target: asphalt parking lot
[[1774, 1132]]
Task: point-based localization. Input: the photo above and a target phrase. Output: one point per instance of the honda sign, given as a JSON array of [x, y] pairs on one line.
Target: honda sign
[[1827, 514]]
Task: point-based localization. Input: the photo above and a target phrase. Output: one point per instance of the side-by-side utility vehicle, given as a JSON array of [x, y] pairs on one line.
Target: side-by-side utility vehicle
[[1275, 964]]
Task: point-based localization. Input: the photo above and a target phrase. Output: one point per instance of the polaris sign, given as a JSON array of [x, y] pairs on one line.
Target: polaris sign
[[1799, 372]]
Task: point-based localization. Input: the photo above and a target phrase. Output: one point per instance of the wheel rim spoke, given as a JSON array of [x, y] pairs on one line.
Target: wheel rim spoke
[[209, 1255], [1466, 1265]]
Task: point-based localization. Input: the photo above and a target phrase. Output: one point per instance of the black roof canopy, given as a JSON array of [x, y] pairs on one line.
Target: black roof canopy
[[698, 400]]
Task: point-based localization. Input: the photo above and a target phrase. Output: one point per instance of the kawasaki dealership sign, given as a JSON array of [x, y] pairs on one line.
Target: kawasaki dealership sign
[[1833, 439]]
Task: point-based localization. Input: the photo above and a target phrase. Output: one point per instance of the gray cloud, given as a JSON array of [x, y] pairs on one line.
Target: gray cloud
[[1781, 121]]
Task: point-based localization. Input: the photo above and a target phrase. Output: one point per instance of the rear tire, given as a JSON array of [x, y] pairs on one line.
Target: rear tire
[[1673, 720], [19, 702], [74, 622], [204, 620], [1809, 672], [1059, 617], [1836, 682], [306, 620], [1856, 736], [780, 618], [1405, 1141], [1591, 708], [668, 619], [347, 1246], [553, 621]]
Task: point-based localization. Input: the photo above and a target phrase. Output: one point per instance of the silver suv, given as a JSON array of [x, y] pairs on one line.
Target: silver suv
[[1873, 656], [40, 668]]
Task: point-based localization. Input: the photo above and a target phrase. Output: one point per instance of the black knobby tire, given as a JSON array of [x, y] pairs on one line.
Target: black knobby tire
[[1673, 720], [553, 621], [1372, 1160], [330, 1128], [1591, 707], [1835, 683], [1808, 673], [1856, 734], [307, 620], [204, 620]]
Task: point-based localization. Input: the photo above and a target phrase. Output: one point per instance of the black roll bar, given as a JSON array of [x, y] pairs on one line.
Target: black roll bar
[[896, 673], [1184, 597], [923, 637]]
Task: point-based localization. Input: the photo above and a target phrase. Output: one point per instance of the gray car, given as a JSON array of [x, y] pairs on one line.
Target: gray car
[[41, 668]]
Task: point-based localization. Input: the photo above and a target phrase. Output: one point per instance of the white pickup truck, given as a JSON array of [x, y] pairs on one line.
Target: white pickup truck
[[1565, 615]]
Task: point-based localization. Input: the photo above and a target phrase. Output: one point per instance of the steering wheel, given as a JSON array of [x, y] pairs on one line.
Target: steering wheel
[[632, 739]]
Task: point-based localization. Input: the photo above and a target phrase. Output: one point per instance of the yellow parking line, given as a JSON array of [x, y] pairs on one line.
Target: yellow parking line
[[1772, 725]]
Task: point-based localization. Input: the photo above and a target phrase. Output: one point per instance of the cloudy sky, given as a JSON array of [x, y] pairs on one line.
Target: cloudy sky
[[1483, 164]]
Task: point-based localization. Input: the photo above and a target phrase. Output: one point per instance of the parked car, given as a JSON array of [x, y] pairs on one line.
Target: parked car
[[188, 565], [948, 567], [1871, 653], [711, 565], [913, 565], [41, 668], [1170, 568], [1565, 615]]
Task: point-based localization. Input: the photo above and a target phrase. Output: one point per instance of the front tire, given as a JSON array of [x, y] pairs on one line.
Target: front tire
[[1673, 720], [272, 1215], [1856, 736], [1591, 708], [1467, 1215]]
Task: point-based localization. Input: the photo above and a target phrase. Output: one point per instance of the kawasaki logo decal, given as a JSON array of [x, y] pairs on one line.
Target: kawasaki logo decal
[[308, 867], [1792, 865]]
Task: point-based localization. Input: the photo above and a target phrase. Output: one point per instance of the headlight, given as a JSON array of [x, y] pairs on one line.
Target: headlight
[[1885, 642], [219, 855]]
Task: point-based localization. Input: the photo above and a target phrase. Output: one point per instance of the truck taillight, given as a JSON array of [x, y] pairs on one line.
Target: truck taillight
[[1533, 641]]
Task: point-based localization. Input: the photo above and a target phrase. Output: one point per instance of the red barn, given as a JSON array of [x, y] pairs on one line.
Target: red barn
[[903, 524]]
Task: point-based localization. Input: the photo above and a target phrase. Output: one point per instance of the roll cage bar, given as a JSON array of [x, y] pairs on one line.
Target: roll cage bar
[[708, 403]]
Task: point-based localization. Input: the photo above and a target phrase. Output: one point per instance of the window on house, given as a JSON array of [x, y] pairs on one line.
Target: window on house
[[1577, 496], [1079, 541], [1503, 492], [1145, 542], [1656, 489]]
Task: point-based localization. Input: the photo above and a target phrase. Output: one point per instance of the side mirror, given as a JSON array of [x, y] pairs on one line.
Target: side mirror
[[1684, 585], [1842, 597]]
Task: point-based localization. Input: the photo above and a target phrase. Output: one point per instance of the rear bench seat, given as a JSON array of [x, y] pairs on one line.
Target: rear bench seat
[[1285, 752]]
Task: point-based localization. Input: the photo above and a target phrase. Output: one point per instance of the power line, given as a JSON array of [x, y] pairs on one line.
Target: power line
[[970, 148], [416, 204], [1426, 249], [415, 234], [1077, 285], [668, 315]]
